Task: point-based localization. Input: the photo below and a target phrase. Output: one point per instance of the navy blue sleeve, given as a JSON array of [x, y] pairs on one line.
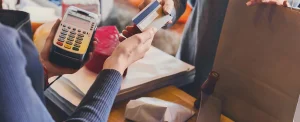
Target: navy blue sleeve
[[21, 103], [97, 104], [18, 99]]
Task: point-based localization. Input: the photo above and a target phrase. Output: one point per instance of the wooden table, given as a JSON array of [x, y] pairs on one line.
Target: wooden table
[[170, 93]]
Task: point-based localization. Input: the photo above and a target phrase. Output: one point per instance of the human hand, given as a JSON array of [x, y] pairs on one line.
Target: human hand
[[129, 31], [168, 6], [130, 50], [277, 2], [54, 70]]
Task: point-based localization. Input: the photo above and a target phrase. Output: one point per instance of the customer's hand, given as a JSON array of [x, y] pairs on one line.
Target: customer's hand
[[276, 2], [54, 70], [130, 50], [129, 31], [168, 6]]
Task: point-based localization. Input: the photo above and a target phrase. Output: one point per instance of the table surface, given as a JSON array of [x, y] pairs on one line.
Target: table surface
[[170, 93]]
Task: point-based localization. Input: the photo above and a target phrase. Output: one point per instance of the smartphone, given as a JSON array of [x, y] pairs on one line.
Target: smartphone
[[73, 39]]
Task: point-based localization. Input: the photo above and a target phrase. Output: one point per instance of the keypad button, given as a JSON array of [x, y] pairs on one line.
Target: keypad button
[[69, 42], [64, 32], [59, 43], [79, 38], [80, 35], [70, 39], [69, 27], [79, 30], [77, 45], [64, 25], [67, 46], [62, 36], [61, 39], [74, 29], [65, 29], [72, 35], [76, 49], [84, 32], [73, 32], [78, 41]]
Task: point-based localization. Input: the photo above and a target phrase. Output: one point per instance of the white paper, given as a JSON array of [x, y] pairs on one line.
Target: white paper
[[147, 109], [67, 92], [156, 64]]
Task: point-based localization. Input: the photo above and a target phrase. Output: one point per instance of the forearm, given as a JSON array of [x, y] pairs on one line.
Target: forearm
[[97, 104], [19, 101]]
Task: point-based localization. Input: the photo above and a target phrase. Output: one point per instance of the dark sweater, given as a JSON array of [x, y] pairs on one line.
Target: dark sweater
[[21, 99]]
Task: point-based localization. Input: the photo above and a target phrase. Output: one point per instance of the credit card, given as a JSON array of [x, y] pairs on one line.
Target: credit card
[[151, 16]]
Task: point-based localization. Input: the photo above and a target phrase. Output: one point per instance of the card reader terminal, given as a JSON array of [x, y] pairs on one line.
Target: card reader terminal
[[73, 40]]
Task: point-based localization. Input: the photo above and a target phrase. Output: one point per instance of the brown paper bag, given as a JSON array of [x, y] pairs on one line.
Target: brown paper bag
[[259, 59]]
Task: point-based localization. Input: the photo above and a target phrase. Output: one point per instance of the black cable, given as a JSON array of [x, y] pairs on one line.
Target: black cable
[[53, 81]]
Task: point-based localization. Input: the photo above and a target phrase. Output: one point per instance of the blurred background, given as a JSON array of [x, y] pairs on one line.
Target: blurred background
[[118, 13]]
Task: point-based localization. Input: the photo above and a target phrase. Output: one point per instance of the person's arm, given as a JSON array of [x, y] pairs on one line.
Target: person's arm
[[98, 101], [96, 105], [18, 100]]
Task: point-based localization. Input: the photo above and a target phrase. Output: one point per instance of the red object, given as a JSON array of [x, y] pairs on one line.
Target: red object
[[108, 40], [59, 43]]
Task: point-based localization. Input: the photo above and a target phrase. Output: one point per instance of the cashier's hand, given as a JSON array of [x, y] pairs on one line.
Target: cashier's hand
[[130, 50], [276, 2], [54, 70], [168, 6]]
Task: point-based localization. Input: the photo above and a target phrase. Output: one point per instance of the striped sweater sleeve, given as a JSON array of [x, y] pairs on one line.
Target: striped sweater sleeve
[[18, 99], [97, 104]]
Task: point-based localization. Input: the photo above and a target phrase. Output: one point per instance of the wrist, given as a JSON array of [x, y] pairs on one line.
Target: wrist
[[48, 73], [115, 63]]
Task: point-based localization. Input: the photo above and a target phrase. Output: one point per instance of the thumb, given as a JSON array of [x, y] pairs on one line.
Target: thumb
[[148, 34], [49, 40], [53, 30]]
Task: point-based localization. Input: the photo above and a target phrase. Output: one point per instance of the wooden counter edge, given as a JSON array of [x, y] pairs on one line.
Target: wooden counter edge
[[170, 93]]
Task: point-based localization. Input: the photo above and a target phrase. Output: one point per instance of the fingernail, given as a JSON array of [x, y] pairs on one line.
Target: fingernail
[[249, 3]]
